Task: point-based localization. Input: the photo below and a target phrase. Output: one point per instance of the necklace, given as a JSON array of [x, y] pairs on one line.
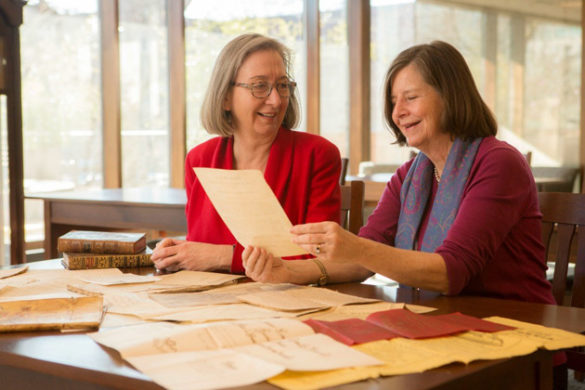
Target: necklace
[[437, 176]]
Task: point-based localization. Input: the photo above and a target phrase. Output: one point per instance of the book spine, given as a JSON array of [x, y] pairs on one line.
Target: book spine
[[84, 246], [110, 261]]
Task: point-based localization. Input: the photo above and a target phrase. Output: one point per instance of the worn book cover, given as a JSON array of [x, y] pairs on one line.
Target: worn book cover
[[87, 241], [51, 314], [103, 260]]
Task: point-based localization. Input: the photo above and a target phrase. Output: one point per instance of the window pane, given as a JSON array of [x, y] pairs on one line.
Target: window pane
[[209, 25], [334, 74], [392, 29], [144, 93], [526, 66], [61, 102], [552, 92]]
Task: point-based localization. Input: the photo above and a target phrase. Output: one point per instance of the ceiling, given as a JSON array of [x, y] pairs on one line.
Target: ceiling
[[562, 10]]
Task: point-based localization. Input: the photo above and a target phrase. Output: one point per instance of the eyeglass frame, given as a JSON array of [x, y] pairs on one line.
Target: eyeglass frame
[[291, 86]]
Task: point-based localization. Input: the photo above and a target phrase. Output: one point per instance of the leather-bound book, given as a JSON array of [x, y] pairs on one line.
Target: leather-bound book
[[86, 241], [74, 261]]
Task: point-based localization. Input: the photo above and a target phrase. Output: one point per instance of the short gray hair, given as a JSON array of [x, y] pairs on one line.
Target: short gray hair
[[214, 118]]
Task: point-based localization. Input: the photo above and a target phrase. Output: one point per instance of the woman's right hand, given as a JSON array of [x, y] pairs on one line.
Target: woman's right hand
[[172, 255], [261, 266]]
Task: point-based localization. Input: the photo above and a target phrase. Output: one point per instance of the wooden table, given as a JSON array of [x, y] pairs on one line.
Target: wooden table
[[50, 360], [120, 208]]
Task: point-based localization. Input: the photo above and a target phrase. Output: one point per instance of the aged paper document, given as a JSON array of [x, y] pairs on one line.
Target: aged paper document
[[6, 273], [404, 356], [352, 311], [50, 314], [110, 280], [421, 355], [220, 296], [470, 346], [161, 337], [205, 369], [302, 298], [247, 364], [548, 338], [184, 281], [238, 311], [250, 209], [315, 352], [119, 301]]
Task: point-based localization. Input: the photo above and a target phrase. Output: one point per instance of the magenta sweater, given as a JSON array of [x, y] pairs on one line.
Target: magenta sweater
[[494, 246]]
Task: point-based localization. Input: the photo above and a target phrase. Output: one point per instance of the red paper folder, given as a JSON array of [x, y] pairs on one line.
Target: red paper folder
[[351, 331], [385, 325]]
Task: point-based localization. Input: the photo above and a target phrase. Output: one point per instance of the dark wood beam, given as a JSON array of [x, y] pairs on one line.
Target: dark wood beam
[[11, 12], [582, 121]]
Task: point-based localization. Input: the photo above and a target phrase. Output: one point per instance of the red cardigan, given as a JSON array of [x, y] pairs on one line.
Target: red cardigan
[[302, 170]]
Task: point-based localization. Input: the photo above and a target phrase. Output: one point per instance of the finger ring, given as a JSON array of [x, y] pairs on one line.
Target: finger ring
[[318, 249]]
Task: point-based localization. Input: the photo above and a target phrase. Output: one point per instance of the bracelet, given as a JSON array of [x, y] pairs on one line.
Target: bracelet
[[324, 278]]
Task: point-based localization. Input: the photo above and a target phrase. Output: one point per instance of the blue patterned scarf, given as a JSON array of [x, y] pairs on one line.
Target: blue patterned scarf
[[416, 191]]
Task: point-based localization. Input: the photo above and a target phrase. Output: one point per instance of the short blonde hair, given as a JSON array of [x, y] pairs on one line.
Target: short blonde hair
[[214, 118]]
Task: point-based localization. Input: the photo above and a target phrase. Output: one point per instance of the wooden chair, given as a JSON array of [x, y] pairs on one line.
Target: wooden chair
[[352, 206], [563, 214], [555, 179], [528, 157], [344, 165]]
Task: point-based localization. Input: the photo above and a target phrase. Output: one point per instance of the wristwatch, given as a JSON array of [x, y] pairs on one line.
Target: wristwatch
[[324, 278]]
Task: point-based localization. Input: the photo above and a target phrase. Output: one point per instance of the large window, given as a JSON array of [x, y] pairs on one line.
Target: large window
[[209, 25], [144, 93], [527, 66], [334, 54], [61, 103], [528, 70]]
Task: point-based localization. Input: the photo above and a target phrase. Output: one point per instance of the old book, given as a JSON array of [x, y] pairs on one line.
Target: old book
[[106, 260], [51, 314], [86, 241]]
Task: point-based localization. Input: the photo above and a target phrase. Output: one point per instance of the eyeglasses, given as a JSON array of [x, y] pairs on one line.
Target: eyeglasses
[[263, 89]]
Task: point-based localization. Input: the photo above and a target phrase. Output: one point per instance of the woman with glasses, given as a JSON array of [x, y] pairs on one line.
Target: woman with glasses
[[251, 104]]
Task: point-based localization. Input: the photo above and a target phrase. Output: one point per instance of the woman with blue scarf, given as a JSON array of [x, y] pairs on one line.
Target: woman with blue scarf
[[462, 217]]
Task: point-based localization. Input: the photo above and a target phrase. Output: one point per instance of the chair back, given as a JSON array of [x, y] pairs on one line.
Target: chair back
[[352, 206], [563, 218], [367, 168], [555, 179], [343, 174]]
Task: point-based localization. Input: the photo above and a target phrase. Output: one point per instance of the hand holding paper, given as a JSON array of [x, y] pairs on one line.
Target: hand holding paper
[[250, 209]]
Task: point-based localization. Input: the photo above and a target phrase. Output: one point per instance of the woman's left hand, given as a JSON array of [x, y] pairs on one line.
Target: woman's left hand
[[327, 240]]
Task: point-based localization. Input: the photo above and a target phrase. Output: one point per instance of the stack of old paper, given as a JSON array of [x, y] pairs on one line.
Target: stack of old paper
[[247, 332], [30, 304], [421, 355], [6, 273], [229, 353]]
